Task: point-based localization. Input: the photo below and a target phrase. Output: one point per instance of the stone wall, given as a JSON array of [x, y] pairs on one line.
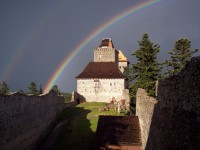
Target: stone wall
[[101, 90], [75, 96], [105, 55], [174, 121], [26, 120], [144, 110], [123, 65]]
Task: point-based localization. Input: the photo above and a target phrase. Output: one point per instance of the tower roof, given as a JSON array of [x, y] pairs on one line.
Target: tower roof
[[107, 42], [121, 57], [103, 70]]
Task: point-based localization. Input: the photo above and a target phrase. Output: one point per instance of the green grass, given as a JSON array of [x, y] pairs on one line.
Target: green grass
[[79, 133], [67, 96]]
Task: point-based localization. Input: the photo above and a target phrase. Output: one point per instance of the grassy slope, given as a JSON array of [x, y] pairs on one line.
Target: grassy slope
[[80, 132]]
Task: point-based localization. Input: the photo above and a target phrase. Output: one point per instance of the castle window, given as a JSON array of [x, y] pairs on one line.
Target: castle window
[[110, 84], [95, 85], [99, 56], [96, 80]]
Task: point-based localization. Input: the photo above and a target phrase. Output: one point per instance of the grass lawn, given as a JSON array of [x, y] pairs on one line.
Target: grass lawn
[[79, 134]]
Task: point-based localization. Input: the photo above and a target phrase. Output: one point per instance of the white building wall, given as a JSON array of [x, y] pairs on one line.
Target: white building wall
[[101, 90], [123, 65]]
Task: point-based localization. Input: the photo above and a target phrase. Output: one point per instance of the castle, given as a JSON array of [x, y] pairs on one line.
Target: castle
[[170, 121], [105, 79]]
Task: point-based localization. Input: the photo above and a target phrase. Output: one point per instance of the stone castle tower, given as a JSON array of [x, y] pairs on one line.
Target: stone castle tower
[[106, 52], [104, 78]]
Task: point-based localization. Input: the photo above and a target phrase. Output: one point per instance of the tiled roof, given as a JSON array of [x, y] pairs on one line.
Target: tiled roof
[[121, 57], [118, 130], [101, 70]]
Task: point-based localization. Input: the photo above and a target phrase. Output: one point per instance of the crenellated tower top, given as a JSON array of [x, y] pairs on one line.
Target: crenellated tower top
[[106, 52], [106, 43]]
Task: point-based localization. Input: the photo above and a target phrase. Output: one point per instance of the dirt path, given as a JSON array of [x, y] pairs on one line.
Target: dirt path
[[51, 139]]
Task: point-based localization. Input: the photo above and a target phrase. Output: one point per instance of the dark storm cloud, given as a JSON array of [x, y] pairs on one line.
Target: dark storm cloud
[[42, 33]]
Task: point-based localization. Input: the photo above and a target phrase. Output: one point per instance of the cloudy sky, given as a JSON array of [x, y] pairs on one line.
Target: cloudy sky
[[37, 36]]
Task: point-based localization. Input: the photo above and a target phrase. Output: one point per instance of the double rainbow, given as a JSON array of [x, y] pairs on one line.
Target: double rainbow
[[96, 32]]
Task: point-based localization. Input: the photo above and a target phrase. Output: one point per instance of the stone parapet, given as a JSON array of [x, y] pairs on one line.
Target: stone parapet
[[26, 120], [144, 110], [173, 120]]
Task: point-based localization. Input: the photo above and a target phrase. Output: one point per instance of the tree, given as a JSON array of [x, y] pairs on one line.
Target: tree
[[33, 88], [56, 89], [21, 91], [67, 96], [180, 56], [40, 90], [4, 89], [147, 70], [132, 92]]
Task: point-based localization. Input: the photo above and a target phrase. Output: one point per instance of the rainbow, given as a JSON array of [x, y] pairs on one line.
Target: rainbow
[[19, 53], [96, 32]]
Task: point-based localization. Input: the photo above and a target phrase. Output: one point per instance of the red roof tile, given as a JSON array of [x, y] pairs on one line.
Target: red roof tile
[[118, 130], [101, 70]]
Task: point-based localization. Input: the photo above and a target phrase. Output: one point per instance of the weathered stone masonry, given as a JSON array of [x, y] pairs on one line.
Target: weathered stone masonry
[[144, 110], [173, 120], [26, 120]]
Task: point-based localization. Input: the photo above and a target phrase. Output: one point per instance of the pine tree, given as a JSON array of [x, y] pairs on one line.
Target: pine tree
[[56, 89], [33, 88], [4, 89], [40, 90], [147, 70], [21, 91], [132, 92], [180, 56]]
